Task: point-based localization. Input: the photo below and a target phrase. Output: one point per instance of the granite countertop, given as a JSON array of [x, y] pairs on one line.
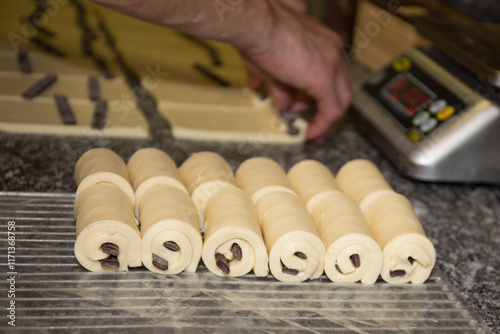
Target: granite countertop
[[462, 220]]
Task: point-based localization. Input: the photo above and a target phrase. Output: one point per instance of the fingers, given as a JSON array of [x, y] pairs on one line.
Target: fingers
[[282, 95], [344, 86], [254, 81], [333, 98]]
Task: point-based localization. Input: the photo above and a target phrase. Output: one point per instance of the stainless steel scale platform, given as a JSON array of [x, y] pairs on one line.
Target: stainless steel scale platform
[[435, 111]]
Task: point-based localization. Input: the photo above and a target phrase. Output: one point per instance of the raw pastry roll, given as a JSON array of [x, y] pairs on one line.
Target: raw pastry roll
[[312, 180], [233, 241], [100, 165], [362, 180], [409, 256], [260, 176], [204, 174], [149, 167], [107, 237], [296, 252], [171, 239], [352, 254]]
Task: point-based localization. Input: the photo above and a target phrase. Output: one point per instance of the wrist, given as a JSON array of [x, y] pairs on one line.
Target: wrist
[[248, 25]]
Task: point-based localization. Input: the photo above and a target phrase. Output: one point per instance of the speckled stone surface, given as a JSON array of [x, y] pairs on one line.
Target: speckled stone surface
[[463, 221]]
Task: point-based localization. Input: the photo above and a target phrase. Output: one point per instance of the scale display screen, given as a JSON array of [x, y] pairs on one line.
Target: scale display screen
[[408, 95]]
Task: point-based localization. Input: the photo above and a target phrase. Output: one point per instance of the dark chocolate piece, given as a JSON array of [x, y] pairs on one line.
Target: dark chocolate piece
[[65, 111], [338, 268], [105, 31], [356, 262], [94, 88], [86, 43], [30, 21], [81, 20], [103, 67], [24, 61], [38, 87], [160, 262], [411, 260], [110, 262], [397, 273], [211, 75], [222, 263], [301, 255], [288, 117], [286, 270], [211, 50], [171, 246], [99, 117], [293, 130], [262, 92], [110, 248], [236, 250], [47, 47]]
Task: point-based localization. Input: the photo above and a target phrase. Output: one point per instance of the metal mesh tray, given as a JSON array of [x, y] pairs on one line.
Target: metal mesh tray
[[53, 293]]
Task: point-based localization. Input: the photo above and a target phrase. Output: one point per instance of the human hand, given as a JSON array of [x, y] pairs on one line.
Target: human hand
[[301, 63]]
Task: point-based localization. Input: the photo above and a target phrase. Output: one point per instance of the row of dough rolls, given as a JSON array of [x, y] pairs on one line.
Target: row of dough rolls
[[107, 234], [294, 247], [352, 254], [262, 225], [171, 238], [233, 244], [408, 255]]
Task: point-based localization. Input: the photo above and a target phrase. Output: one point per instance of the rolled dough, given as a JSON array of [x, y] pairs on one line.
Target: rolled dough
[[259, 176], [230, 218], [149, 167], [409, 256], [291, 237], [102, 165], [352, 254], [359, 178], [205, 174], [105, 214], [310, 178], [167, 214]]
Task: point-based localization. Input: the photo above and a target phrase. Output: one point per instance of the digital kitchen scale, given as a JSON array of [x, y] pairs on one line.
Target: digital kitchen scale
[[434, 119]]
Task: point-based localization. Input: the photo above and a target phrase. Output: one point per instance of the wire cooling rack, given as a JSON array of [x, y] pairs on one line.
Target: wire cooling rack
[[48, 291]]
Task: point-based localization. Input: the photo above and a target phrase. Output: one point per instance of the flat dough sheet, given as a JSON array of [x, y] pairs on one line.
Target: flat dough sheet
[[72, 86], [223, 114], [42, 116]]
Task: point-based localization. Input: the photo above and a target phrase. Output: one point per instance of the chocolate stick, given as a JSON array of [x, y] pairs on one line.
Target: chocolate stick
[[171, 246], [99, 116], [41, 85], [94, 88], [211, 75], [286, 270], [65, 111], [212, 51], [159, 262], [47, 47], [24, 61], [236, 250], [30, 21], [222, 262], [103, 67]]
